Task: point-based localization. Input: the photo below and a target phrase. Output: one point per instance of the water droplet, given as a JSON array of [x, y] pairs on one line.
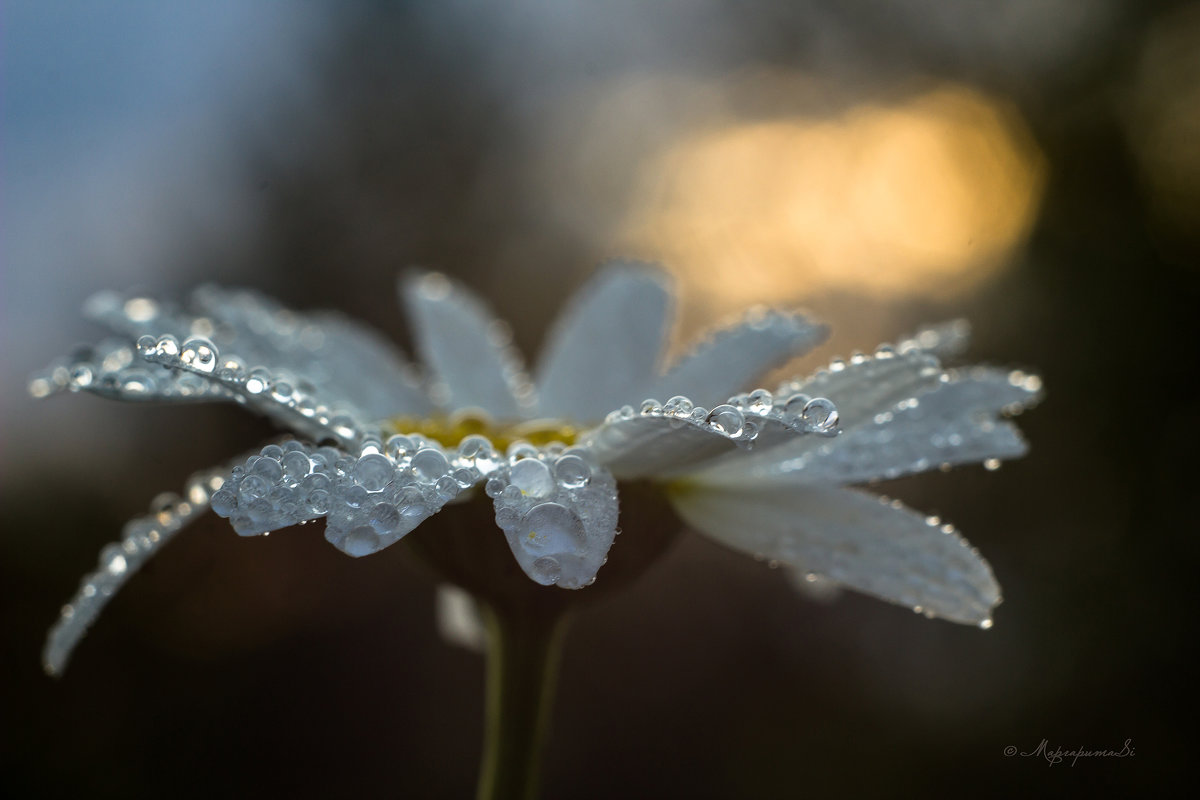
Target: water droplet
[[166, 348], [362, 541], [355, 496], [651, 406], [494, 487], [728, 420], [429, 464], [258, 380], [112, 558], [81, 375], [412, 504], [251, 488], [678, 406], [200, 354], [552, 528], [296, 465], [398, 446], [384, 518], [986, 624], [547, 570], [317, 501], [572, 471], [820, 413], [268, 468], [991, 464], [796, 403], [533, 478], [223, 502], [373, 471], [759, 401]]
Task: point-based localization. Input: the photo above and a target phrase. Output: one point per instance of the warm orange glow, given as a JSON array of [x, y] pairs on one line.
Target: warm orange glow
[[924, 196]]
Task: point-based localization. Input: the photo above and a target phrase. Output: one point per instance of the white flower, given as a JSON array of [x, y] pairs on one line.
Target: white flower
[[380, 449]]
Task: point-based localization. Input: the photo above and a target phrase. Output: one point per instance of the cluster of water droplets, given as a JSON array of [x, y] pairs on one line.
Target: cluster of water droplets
[[369, 500], [141, 538], [742, 418], [558, 510]]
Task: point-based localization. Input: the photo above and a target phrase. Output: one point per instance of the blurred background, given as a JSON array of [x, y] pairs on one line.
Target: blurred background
[[1032, 165]]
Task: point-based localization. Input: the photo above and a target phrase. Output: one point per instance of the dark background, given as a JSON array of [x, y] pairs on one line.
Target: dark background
[[416, 133]]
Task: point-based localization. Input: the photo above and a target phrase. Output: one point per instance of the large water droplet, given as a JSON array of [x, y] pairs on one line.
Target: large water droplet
[[552, 528], [533, 478], [384, 518], [546, 570], [728, 420], [759, 401], [373, 471], [362, 541], [678, 406], [820, 413], [200, 354], [429, 464], [572, 471]]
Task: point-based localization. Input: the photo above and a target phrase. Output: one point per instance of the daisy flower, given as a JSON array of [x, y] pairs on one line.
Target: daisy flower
[[556, 459]]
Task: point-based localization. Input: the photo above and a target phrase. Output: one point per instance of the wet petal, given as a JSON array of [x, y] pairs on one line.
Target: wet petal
[[958, 422], [731, 359], [468, 352], [603, 352], [142, 538], [558, 512], [661, 440], [858, 540], [370, 498]]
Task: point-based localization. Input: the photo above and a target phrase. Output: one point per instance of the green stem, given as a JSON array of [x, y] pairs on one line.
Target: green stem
[[524, 644]]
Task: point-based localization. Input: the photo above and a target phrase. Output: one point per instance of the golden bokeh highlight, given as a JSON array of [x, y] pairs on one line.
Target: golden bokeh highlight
[[925, 196]]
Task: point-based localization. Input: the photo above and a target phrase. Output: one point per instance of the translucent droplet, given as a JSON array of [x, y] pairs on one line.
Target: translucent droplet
[[552, 528], [362, 541], [651, 406], [252, 487], [398, 446], [112, 559], [268, 468], [412, 504], [373, 471], [760, 401], [317, 501], [728, 420], [678, 406], [494, 487], [796, 403], [572, 471], [533, 478], [258, 380], [296, 465], [81, 375], [992, 464], [200, 354], [820, 413], [140, 309], [429, 464], [384, 518], [166, 348], [355, 496], [223, 502], [446, 487], [546, 570]]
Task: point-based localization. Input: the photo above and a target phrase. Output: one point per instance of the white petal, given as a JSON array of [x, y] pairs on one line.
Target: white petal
[[468, 352], [143, 537], [859, 540], [733, 358], [955, 423], [603, 352], [661, 440], [559, 514], [370, 500]]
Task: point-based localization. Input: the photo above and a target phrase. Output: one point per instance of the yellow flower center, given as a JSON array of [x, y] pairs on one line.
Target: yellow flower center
[[451, 429]]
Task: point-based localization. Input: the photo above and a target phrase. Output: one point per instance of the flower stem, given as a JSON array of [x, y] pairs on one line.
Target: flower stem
[[524, 643]]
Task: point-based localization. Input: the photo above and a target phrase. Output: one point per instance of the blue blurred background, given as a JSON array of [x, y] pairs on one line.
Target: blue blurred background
[[1031, 165]]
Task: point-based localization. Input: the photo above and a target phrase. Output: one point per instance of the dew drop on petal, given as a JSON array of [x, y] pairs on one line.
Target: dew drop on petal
[[572, 471], [355, 496], [429, 464], [547, 570], [223, 502], [533, 478], [494, 487], [296, 465], [398, 446], [552, 527], [200, 354], [373, 471], [317, 501], [728, 420], [384, 518], [678, 406], [362, 541], [759, 401], [820, 413], [268, 468], [258, 380], [412, 504]]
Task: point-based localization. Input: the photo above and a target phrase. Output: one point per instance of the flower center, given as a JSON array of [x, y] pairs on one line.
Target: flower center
[[449, 430]]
